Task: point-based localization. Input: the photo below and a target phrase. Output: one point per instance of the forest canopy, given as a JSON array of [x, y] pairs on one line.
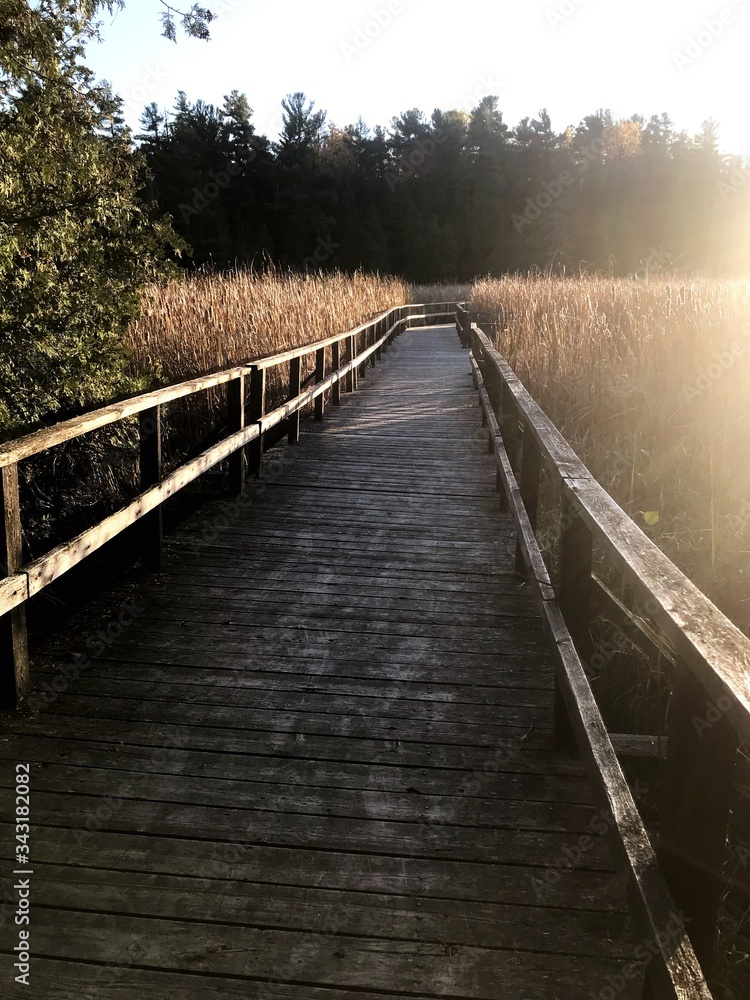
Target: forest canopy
[[449, 195]]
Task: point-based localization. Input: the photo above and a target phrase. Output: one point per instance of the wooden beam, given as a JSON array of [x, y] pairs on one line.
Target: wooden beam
[[150, 457], [704, 639], [336, 364], [295, 387], [43, 571], [576, 550], [320, 374], [531, 471], [675, 974], [256, 412], [697, 799], [236, 394], [15, 672], [351, 378]]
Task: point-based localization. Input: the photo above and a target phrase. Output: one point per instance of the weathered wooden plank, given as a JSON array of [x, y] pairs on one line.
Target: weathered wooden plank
[[114, 677], [448, 921], [333, 958], [505, 843], [367, 749], [508, 778], [412, 877], [344, 725], [58, 785]]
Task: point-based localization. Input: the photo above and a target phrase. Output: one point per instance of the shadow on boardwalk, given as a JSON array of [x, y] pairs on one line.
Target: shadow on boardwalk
[[316, 761]]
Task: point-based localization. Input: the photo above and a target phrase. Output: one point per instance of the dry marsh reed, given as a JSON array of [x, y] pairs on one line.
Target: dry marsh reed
[[187, 327], [439, 293], [650, 381], [211, 321]]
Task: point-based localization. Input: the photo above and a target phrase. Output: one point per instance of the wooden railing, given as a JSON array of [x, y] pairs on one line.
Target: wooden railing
[[710, 673], [243, 446]]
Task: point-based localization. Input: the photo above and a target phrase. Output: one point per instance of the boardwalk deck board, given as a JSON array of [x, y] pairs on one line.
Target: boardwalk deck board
[[319, 763]]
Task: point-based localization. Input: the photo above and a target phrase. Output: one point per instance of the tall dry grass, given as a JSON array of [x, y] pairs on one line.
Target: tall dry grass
[[439, 293], [211, 321], [650, 381]]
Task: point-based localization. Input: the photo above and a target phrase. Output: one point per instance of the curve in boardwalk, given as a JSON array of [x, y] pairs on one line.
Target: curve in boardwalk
[[318, 764]]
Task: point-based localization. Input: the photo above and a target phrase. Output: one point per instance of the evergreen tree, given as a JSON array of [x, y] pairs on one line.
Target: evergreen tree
[[76, 243]]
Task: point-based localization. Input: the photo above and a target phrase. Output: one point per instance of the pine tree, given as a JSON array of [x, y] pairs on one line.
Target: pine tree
[[76, 243]]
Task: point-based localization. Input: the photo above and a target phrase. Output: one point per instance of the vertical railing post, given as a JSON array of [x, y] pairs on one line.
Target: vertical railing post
[[502, 413], [386, 327], [372, 338], [362, 369], [696, 804], [256, 410], [508, 418], [335, 365], [351, 378], [574, 595], [15, 674], [320, 374], [529, 482], [150, 457], [236, 394], [295, 387]]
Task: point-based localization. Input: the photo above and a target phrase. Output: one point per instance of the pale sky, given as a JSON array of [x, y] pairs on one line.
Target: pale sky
[[690, 58]]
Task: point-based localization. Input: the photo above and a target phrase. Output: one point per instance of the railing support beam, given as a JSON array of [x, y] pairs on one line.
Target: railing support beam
[[295, 387], [336, 364], [351, 378], [529, 482], [574, 595], [698, 796], [15, 675], [320, 374], [150, 461], [236, 394], [256, 412]]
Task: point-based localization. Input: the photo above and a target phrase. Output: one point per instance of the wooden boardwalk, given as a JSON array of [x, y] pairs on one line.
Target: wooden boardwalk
[[314, 762]]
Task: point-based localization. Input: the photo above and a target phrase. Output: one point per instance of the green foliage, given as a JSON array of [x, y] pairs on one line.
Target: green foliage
[[450, 196], [76, 243]]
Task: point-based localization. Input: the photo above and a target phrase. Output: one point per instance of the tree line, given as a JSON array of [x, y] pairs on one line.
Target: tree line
[[446, 196]]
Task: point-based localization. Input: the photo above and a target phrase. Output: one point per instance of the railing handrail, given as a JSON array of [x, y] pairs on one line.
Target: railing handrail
[[245, 433], [709, 664], [713, 647], [37, 441]]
